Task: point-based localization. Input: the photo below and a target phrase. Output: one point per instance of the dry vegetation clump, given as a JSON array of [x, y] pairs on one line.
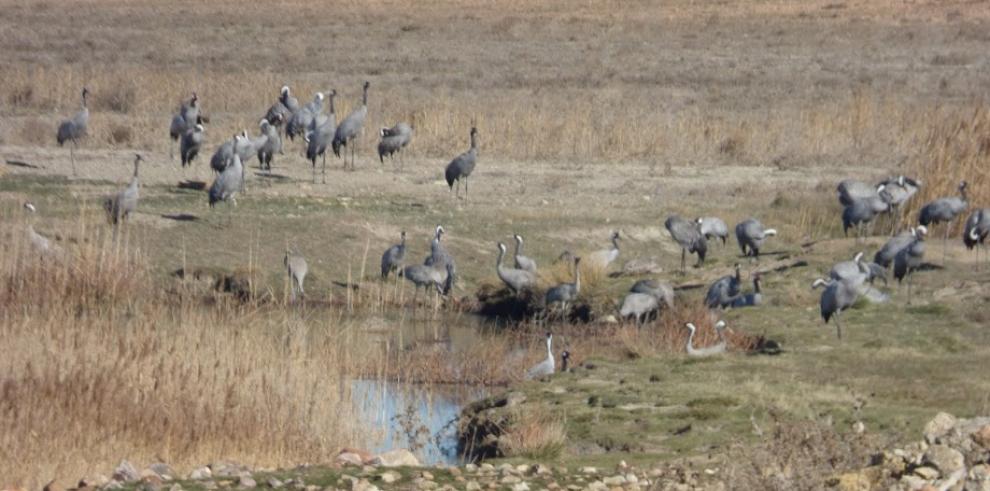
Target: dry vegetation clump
[[797, 455], [100, 364], [505, 355], [536, 435], [957, 148]]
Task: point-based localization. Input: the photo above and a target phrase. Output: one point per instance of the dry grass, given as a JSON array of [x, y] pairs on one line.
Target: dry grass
[[956, 148], [534, 435], [100, 364]]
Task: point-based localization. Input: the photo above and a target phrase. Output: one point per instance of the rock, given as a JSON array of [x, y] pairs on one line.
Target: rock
[[859, 427], [982, 437], [396, 458], [927, 473], [125, 472], [487, 467], [274, 483], [162, 470], [471, 468], [522, 468], [589, 470], [946, 459], [641, 266], [424, 484], [53, 485], [520, 487], [980, 472], [939, 426], [390, 477], [175, 487], [426, 475], [246, 482], [614, 480], [454, 471], [631, 478], [610, 319], [348, 458], [510, 479], [96, 481], [112, 485], [853, 481], [472, 486], [200, 473]]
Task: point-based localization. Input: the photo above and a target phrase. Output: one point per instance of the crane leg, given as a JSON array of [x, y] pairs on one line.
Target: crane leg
[[683, 254], [838, 327], [909, 275], [945, 241], [72, 156], [324, 169]]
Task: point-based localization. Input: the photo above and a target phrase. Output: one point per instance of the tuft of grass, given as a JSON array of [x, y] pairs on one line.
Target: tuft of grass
[[534, 435]]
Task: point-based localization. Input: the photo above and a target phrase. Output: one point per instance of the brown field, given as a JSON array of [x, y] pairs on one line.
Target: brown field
[[592, 117]]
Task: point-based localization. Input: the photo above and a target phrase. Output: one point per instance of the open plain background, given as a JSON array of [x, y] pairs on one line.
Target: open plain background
[[593, 116]]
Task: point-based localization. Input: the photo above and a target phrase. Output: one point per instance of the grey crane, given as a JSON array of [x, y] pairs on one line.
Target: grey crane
[[751, 234], [752, 299], [296, 267], [521, 261], [689, 237], [421, 275], [565, 294], [976, 231], [320, 137], [660, 290], [858, 270], [350, 127], [283, 108], [439, 256], [885, 256], [712, 227], [724, 290], [121, 205], [516, 279], [184, 120], [638, 306], [394, 256], [899, 190], [271, 145], [41, 244], [715, 349], [602, 258], [224, 155], [944, 210], [191, 143], [862, 211], [909, 259], [228, 183], [545, 367], [837, 296], [851, 190], [393, 140], [303, 118], [462, 166], [74, 129]]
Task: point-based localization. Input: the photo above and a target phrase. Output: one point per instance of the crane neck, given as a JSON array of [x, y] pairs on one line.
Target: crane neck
[[577, 278], [498, 262], [549, 350], [474, 141], [332, 110], [756, 285], [364, 97], [690, 342], [518, 247], [615, 242]]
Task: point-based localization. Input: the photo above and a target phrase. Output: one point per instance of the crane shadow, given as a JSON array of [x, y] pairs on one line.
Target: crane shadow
[[181, 217], [192, 185], [21, 163], [930, 267], [266, 175]]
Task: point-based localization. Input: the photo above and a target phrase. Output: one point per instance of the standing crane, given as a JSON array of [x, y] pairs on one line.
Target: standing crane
[[944, 210], [462, 166], [750, 234], [191, 143], [976, 231], [350, 127], [296, 267], [185, 119], [523, 262], [74, 129], [689, 237], [394, 256], [394, 140], [122, 204], [909, 259]]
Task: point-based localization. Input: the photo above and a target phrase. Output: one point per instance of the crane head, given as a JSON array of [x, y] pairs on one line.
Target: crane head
[[501, 247], [200, 128], [720, 324], [921, 231], [518, 238], [30, 207], [690, 327], [264, 122], [474, 131], [285, 90], [367, 84], [858, 257], [319, 96]]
